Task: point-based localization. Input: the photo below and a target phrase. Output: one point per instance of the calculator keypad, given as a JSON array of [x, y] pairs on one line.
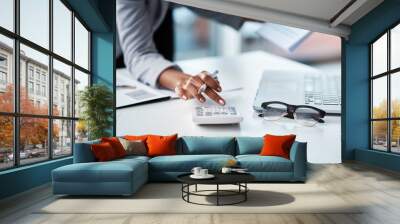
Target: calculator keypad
[[215, 111], [216, 115]]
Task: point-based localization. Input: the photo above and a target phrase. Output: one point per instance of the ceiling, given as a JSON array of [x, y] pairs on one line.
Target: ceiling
[[321, 9], [326, 16]]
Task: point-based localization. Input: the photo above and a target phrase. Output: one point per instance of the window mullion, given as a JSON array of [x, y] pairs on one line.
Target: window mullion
[[50, 81], [16, 69], [389, 101], [73, 82], [371, 142]]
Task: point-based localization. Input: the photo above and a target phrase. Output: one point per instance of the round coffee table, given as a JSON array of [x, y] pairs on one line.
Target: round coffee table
[[238, 179]]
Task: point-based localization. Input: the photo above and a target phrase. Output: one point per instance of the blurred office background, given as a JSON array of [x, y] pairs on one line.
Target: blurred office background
[[197, 37]]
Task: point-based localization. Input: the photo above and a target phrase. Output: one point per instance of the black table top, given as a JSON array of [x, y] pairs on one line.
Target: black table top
[[220, 178]]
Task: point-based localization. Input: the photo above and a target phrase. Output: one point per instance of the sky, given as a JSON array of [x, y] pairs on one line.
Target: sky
[[35, 27], [379, 58]]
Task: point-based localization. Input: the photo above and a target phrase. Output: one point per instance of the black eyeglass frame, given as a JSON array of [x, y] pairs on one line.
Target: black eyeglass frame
[[291, 109]]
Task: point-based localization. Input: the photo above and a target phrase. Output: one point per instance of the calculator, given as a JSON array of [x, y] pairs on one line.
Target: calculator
[[216, 115]]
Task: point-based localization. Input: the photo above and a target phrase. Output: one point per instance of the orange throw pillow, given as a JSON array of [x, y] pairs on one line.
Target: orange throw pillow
[[116, 145], [103, 152], [277, 145], [136, 137], [161, 145]]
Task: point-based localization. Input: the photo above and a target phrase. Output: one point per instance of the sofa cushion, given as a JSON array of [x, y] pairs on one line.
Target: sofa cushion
[[136, 137], [257, 163], [249, 145], [116, 145], [277, 145], [136, 147], [193, 145], [83, 152], [103, 152], [159, 145], [133, 158], [185, 163], [112, 171]]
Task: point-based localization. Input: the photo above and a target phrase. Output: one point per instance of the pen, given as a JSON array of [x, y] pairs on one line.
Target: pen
[[214, 74]]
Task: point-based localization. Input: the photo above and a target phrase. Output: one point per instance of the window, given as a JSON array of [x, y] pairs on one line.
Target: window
[[81, 45], [385, 94], [62, 137], [30, 87], [3, 78], [6, 142], [34, 22], [33, 147], [30, 72], [62, 30], [3, 61], [45, 119], [37, 74], [6, 73], [81, 81], [3, 72], [44, 91], [7, 14], [62, 74], [37, 90]]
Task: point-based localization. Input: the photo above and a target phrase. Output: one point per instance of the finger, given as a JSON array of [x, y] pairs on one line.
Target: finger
[[209, 74], [196, 81], [193, 91], [210, 82], [214, 96], [181, 92]]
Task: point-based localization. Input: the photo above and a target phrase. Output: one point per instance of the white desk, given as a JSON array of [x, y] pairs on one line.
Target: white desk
[[174, 116]]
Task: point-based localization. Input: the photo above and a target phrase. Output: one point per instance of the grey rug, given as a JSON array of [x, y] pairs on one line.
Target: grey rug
[[166, 198]]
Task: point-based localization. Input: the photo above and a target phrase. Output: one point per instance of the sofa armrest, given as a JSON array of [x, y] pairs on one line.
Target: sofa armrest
[[298, 155], [83, 152]]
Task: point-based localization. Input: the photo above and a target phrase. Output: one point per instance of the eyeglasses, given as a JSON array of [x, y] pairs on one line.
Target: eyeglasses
[[305, 115]]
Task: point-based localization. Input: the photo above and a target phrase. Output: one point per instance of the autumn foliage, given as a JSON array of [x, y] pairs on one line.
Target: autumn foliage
[[33, 131], [380, 127]]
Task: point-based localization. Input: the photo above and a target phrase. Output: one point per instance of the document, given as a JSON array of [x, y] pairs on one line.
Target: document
[[285, 37], [132, 92]]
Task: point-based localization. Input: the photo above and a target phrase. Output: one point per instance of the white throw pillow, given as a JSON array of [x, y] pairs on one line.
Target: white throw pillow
[[137, 148]]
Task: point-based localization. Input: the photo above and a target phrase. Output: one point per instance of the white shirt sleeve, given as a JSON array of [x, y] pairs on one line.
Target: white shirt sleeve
[[135, 27]]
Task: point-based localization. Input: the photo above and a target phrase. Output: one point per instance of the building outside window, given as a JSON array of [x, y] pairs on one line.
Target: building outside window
[[43, 90], [37, 75], [38, 89], [3, 60], [30, 72], [3, 78], [385, 91], [55, 98], [57, 127], [30, 87], [3, 72]]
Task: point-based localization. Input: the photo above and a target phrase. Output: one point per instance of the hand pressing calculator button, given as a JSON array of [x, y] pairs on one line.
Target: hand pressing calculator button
[[216, 115]]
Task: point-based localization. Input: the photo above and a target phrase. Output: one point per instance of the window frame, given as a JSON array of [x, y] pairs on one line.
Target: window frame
[[16, 114], [388, 74]]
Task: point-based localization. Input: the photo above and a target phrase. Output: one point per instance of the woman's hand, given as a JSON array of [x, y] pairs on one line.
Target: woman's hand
[[188, 87], [199, 85]]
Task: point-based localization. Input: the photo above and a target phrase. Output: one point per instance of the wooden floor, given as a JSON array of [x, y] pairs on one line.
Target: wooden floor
[[377, 188]]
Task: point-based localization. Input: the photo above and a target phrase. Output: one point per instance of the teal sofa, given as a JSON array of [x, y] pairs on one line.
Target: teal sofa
[[125, 176]]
